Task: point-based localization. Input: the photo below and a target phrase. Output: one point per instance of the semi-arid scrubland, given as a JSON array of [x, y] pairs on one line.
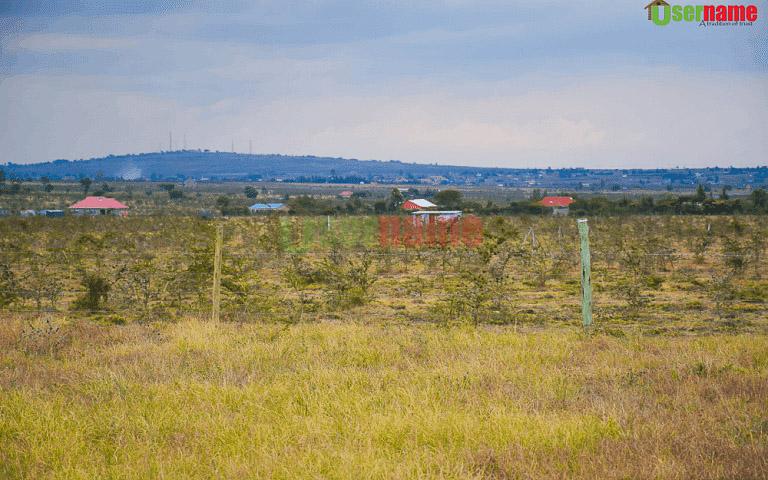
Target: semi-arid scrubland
[[338, 358]]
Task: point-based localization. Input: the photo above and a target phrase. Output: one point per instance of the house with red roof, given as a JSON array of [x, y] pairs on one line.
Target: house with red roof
[[418, 204], [94, 206], [559, 205]]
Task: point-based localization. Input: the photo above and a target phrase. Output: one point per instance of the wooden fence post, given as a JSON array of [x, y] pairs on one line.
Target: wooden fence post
[[216, 300], [586, 274]]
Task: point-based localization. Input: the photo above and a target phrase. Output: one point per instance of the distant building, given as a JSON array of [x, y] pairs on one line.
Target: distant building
[[559, 205], [346, 194], [418, 204], [51, 213], [27, 213], [94, 206], [4, 212], [440, 215], [267, 207]]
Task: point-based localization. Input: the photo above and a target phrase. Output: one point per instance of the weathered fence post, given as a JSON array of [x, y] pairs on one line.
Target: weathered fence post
[[586, 274], [216, 300]]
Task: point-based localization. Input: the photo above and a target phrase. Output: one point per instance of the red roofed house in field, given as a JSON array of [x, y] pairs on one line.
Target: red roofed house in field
[[418, 204], [559, 204], [99, 206], [346, 194]]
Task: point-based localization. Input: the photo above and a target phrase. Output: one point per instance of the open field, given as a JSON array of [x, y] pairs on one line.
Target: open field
[[338, 358], [368, 400]]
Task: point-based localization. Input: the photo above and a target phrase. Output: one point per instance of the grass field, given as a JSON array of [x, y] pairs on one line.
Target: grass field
[[338, 358], [354, 400]]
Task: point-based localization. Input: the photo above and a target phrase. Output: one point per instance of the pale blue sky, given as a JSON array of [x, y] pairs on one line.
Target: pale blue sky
[[485, 82]]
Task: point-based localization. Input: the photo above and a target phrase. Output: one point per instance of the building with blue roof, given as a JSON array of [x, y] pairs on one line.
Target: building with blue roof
[[267, 207]]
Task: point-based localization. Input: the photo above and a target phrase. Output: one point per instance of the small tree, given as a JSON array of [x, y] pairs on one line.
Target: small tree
[[449, 198], [9, 288], [759, 199], [701, 194], [223, 202], [348, 280], [299, 275], [86, 182], [46, 182], [395, 200], [250, 192], [97, 289]]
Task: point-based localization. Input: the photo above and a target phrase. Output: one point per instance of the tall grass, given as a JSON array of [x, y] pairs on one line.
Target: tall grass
[[351, 400]]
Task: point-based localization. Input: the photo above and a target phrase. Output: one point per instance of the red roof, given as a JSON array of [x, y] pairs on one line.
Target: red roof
[[556, 201], [418, 204], [99, 202]]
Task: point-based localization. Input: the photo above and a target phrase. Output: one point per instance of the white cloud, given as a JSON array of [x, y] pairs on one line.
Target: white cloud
[[59, 42], [643, 118]]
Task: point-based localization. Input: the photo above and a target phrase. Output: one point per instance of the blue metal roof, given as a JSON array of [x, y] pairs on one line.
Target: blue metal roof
[[266, 206]]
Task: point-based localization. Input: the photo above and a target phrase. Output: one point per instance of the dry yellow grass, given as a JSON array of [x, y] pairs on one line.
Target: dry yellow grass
[[354, 400]]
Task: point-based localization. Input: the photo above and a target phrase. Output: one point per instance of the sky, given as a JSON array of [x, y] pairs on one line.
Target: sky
[[545, 83]]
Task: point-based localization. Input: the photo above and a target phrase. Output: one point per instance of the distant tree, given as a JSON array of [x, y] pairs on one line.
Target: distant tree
[[759, 198], [701, 194], [449, 198], [47, 187], [536, 195], [646, 204], [168, 187], [395, 199], [223, 202], [96, 291], [380, 206], [724, 194], [251, 192], [8, 285], [175, 194], [86, 182]]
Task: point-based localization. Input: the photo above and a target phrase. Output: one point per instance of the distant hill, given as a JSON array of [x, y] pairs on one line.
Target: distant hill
[[206, 165], [228, 166]]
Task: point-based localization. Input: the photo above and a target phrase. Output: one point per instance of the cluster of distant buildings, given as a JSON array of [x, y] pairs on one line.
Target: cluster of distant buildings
[[89, 206], [418, 207]]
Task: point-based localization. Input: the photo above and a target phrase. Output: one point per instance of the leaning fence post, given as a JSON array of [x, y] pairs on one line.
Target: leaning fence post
[[216, 300], [586, 271]]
